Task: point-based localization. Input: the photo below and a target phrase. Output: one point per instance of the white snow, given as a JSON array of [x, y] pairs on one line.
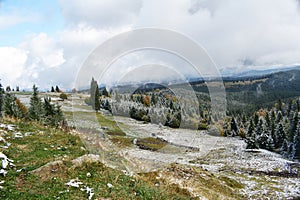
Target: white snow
[[74, 183]]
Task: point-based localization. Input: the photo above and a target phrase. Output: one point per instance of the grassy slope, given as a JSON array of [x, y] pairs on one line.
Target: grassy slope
[[44, 145]]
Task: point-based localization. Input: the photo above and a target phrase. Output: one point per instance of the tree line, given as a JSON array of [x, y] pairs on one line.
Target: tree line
[[43, 111], [276, 129]]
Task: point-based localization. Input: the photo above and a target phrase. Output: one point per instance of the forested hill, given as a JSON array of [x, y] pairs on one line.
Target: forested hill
[[262, 91]]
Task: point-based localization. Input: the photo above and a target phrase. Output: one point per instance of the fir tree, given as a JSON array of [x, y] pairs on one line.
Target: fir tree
[[251, 137], [35, 109], [52, 89], [104, 92], [280, 135], [57, 89], [234, 128], [296, 146], [278, 117], [263, 140], [293, 127], [1, 99], [8, 89], [256, 119], [97, 98], [92, 92], [8, 107], [153, 99], [268, 120]]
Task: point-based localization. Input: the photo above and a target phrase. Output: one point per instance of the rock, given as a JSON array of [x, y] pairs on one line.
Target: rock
[[18, 135], [88, 158], [134, 141], [2, 139], [3, 172], [47, 167]]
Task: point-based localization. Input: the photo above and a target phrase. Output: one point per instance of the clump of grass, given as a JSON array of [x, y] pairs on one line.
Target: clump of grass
[[122, 141], [231, 182], [152, 144], [116, 133]]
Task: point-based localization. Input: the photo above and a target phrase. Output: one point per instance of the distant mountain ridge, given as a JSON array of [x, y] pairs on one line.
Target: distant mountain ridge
[[255, 72]]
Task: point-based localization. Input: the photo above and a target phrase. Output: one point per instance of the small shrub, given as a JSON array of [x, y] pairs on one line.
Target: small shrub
[[87, 100], [63, 96], [202, 126]]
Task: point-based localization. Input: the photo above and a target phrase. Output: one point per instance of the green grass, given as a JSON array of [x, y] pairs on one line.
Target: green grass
[[46, 145], [152, 144]]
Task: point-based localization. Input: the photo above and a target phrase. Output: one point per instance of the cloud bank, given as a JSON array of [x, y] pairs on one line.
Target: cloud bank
[[236, 34]]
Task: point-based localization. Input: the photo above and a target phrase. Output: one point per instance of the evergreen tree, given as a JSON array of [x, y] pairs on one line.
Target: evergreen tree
[[278, 117], [280, 135], [52, 89], [293, 127], [296, 146], [268, 120], [234, 128], [8, 107], [251, 137], [57, 89], [259, 128], [104, 92], [8, 89], [153, 99], [35, 108], [52, 114], [97, 98], [58, 115], [256, 119], [1, 99], [17, 88]]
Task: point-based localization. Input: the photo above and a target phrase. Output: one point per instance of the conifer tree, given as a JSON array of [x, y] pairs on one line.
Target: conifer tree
[[1, 99], [52, 89], [104, 92], [97, 98], [8, 107], [293, 127], [8, 89], [234, 128], [251, 137], [35, 109], [95, 95], [296, 146], [256, 119], [92, 93], [280, 135], [57, 89]]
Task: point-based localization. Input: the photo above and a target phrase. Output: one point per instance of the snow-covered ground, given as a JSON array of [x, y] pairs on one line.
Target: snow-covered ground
[[263, 173]]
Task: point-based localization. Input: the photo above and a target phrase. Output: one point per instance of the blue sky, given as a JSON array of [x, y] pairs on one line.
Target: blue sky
[[37, 16], [46, 42]]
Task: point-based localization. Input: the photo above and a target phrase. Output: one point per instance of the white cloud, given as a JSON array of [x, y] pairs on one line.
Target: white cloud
[[235, 33], [43, 50], [104, 13], [12, 62]]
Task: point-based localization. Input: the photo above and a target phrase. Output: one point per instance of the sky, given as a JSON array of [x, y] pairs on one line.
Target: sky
[[47, 42]]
